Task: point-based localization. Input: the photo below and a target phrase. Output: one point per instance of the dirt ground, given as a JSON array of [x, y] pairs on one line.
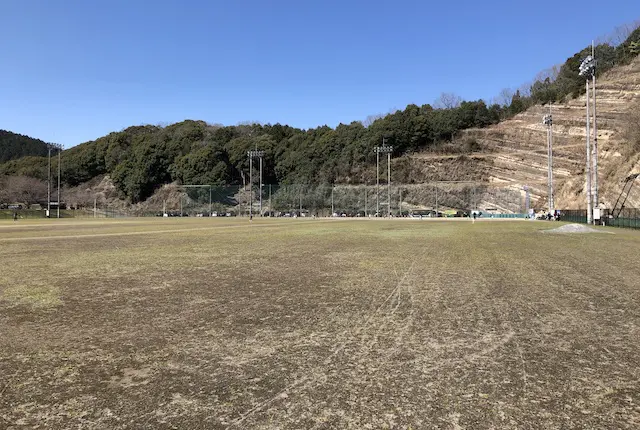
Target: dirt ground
[[317, 324]]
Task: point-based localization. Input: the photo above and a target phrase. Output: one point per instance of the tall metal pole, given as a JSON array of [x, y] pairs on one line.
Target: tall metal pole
[[548, 121], [49, 185], [400, 202], [378, 182], [250, 186], [389, 181], [588, 167], [551, 195], [595, 134], [261, 185], [270, 207], [300, 196], [59, 170], [436, 200], [210, 205]]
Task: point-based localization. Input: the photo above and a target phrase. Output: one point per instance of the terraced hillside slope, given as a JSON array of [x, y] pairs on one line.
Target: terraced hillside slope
[[515, 151]]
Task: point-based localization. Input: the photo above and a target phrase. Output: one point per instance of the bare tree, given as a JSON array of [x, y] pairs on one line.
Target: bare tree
[[525, 89], [24, 189], [448, 101], [369, 120], [505, 97]]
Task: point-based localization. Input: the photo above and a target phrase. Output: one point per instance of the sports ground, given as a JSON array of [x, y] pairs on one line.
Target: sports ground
[[316, 324]]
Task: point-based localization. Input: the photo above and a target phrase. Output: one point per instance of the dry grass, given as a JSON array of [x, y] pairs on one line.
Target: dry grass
[[212, 323]]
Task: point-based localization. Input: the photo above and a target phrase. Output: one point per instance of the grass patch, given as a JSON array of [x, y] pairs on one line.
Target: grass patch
[[35, 296]]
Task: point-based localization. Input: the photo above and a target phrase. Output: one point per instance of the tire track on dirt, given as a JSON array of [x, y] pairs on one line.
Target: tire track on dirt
[[308, 381]]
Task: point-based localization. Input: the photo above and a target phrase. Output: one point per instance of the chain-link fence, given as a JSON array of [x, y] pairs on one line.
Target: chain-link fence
[[423, 199], [442, 198]]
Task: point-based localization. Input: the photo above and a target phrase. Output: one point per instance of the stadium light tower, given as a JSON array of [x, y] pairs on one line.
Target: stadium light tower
[[59, 171], [254, 154], [587, 70], [595, 130], [57, 147], [49, 182], [384, 149], [548, 121]]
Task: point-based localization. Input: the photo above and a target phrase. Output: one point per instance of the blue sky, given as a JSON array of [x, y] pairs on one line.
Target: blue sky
[[75, 70]]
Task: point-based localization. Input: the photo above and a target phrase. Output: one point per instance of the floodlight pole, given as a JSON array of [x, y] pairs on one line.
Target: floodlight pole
[[251, 155], [595, 132], [588, 167], [59, 170], [49, 184], [260, 184], [587, 70], [389, 181], [548, 121], [250, 186], [378, 182], [210, 205], [385, 149]]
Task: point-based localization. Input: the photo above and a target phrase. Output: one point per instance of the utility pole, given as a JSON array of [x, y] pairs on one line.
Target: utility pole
[[436, 200], [548, 121], [210, 205], [270, 207], [400, 202]]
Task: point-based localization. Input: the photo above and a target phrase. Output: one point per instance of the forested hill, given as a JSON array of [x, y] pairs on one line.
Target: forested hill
[[13, 146], [142, 158]]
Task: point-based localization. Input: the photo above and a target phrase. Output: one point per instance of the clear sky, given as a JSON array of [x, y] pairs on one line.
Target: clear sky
[[75, 70]]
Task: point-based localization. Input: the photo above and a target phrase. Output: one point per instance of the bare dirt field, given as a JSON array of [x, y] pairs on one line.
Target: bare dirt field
[[317, 324]]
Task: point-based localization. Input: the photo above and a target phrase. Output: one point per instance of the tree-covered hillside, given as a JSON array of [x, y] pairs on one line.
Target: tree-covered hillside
[[14, 146], [140, 159]]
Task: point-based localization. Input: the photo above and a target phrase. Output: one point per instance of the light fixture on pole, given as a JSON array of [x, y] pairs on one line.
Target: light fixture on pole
[[384, 149], [587, 70], [254, 154], [548, 121]]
